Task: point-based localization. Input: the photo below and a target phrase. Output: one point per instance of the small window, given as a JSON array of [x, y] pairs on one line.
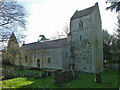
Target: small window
[[66, 54], [34, 56], [49, 60], [80, 37], [73, 66], [80, 24], [25, 58]]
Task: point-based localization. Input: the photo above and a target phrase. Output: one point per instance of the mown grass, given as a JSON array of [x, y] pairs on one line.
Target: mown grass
[[86, 80]]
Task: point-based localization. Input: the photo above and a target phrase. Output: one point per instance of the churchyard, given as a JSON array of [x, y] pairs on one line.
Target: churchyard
[[26, 78]]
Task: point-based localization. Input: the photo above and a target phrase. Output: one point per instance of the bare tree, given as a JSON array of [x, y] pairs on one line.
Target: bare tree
[[12, 17], [63, 34], [66, 30]]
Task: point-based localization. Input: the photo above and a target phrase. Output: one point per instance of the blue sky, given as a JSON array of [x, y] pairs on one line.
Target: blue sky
[[48, 17]]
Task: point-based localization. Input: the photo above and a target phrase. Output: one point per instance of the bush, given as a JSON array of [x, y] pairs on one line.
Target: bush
[[8, 73], [6, 62], [21, 67]]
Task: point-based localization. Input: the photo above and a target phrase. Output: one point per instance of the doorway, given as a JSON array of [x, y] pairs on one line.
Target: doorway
[[38, 63]]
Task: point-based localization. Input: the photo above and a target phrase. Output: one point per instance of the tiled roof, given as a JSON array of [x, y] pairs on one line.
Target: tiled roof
[[84, 12], [45, 45]]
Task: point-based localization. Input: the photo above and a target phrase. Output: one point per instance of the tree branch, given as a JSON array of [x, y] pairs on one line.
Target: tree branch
[[4, 23], [1, 3]]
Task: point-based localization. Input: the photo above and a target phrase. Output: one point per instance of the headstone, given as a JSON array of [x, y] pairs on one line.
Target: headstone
[[60, 76], [44, 74], [98, 78], [76, 74], [49, 73], [37, 77]]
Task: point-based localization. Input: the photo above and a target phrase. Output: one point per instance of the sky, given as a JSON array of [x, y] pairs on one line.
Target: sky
[[47, 17]]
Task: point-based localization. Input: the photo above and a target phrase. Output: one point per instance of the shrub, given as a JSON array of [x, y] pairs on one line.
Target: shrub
[[8, 73], [6, 61]]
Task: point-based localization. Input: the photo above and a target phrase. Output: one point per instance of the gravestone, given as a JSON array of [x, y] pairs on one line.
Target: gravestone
[[60, 76], [37, 77], [44, 74], [98, 78], [49, 73], [76, 74]]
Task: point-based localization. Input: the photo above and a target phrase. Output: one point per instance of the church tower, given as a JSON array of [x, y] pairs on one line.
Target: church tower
[[86, 40]]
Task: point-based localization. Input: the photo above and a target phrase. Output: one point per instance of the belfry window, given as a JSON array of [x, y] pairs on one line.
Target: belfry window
[[80, 24]]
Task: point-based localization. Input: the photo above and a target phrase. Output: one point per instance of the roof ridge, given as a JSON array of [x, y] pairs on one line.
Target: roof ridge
[[47, 44], [86, 8], [83, 12], [45, 41]]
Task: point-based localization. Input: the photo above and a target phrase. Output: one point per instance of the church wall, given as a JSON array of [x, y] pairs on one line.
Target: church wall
[[81, 35], [97, 41], [96, 19], [83, 56], [66, 58], [55, 54], [26, 62], [74, 24], [97, 51], [81, 40]]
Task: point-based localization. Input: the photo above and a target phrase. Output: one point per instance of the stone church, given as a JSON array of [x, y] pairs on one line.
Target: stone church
[[81, 51]]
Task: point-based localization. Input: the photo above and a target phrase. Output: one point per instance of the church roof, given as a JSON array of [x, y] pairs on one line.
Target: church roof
[[84, 12], [45, 45]]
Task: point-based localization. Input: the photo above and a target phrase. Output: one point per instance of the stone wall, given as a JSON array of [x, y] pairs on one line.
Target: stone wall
[[97, 51], [97, 41], [56, 55], [66, 58], [81, 41]]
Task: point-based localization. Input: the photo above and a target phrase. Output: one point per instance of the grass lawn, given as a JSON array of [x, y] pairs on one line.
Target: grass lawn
[[86, 80]]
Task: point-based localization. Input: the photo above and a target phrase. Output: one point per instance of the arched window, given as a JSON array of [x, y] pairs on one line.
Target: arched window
[[80, 24]]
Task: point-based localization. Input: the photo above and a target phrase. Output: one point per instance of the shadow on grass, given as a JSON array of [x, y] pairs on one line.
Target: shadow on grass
[[85, 80]]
